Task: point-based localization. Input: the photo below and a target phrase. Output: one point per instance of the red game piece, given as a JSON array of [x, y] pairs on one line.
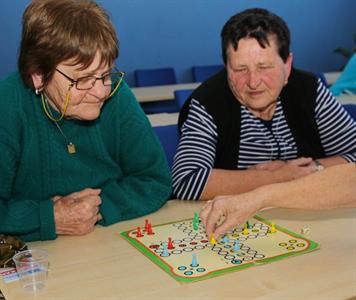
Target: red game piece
[[138, 232], [149, 229], [170, 243], [146, 225]]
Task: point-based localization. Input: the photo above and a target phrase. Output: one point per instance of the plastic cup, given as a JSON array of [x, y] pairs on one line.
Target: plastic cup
[[32, 268]]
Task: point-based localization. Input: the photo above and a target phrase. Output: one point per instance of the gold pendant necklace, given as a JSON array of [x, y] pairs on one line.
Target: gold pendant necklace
[[70, 146]]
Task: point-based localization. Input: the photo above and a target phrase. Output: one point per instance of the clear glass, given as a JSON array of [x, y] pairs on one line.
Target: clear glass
[[87, 82], [32, 267]]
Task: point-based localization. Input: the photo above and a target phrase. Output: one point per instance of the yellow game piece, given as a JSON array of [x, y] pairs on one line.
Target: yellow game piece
[[212, 240], [245, 231], [273, 228]]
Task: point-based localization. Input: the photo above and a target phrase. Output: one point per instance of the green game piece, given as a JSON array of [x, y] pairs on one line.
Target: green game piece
[[196, 221], [196, 217]]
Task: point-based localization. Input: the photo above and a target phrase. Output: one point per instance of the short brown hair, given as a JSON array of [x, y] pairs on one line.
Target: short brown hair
[[57, 30]]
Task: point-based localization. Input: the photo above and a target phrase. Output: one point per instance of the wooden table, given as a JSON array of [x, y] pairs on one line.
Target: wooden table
[[161, 92], [347, 99], [102, 265], [163, 119], [331, 77]]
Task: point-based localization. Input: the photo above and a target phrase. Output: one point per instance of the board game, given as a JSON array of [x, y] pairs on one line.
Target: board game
[[183, 250]]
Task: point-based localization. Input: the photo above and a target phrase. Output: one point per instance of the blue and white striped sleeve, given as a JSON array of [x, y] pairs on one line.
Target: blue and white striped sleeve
[[195, 155], [337, 128]]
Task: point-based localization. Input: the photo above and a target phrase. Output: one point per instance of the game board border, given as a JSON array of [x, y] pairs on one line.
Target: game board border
[[155, 259]]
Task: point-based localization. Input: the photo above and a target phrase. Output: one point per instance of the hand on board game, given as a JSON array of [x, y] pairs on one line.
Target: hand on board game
[[225, 212], [77, 213]]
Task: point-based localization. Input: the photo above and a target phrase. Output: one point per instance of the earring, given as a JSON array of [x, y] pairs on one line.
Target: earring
[[38, 91], [285, 82]]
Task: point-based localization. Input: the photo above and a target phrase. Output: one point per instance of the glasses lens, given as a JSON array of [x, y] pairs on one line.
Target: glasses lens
[[112, 79], [86, 83]]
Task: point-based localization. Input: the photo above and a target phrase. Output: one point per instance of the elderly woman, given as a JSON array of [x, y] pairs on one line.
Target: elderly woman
[[259, 121], [76, 149]]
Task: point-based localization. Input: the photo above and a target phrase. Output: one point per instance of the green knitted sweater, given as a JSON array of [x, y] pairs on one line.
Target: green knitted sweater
[[118, 153]]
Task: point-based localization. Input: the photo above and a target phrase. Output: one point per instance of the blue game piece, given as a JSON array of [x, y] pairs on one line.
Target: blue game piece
[[194, 260], [236, 246], [165, 250], [226, 239]]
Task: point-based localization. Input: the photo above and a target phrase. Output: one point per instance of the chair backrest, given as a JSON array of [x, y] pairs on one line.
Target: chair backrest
[[202, 73], [152, 77], [351, 109], [181, 96], [169, 138], [167, 106]]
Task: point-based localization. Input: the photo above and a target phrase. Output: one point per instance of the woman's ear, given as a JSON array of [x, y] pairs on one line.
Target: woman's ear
[[37, 80], [288, 65]]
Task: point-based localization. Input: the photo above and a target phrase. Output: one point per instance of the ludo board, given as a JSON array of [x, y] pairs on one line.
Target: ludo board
[[187, 255]]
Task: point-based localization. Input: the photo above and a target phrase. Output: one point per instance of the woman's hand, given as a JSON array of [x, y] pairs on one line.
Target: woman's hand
[[295, 168], [77, 213], [226, 212], [271, 165]]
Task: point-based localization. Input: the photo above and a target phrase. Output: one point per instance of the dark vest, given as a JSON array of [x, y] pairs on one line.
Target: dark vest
[[298, 102]]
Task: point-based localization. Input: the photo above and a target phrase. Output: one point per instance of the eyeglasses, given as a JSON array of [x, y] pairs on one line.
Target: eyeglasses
[[86, 83]]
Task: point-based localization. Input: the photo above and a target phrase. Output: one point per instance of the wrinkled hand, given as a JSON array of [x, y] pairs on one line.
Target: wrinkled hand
[[269, 166], [295, 168], [77, 213], [226, 212]]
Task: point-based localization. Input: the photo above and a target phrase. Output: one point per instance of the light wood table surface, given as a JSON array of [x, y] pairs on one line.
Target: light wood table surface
[[161, 92], [104, 266], [163, 119], [331, 77], [347, 99]]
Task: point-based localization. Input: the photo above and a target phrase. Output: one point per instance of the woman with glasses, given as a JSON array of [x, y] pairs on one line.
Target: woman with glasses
[[76, 148]]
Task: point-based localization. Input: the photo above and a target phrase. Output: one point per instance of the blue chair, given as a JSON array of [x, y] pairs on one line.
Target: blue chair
[[181, 96], [168, 106], [351, 109], [169, 138], [152, 77], [202, 73]]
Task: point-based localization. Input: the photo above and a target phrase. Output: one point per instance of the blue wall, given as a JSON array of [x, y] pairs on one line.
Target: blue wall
[[182, 33]]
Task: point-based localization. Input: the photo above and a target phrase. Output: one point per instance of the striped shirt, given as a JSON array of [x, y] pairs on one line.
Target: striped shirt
[[259, 141]]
